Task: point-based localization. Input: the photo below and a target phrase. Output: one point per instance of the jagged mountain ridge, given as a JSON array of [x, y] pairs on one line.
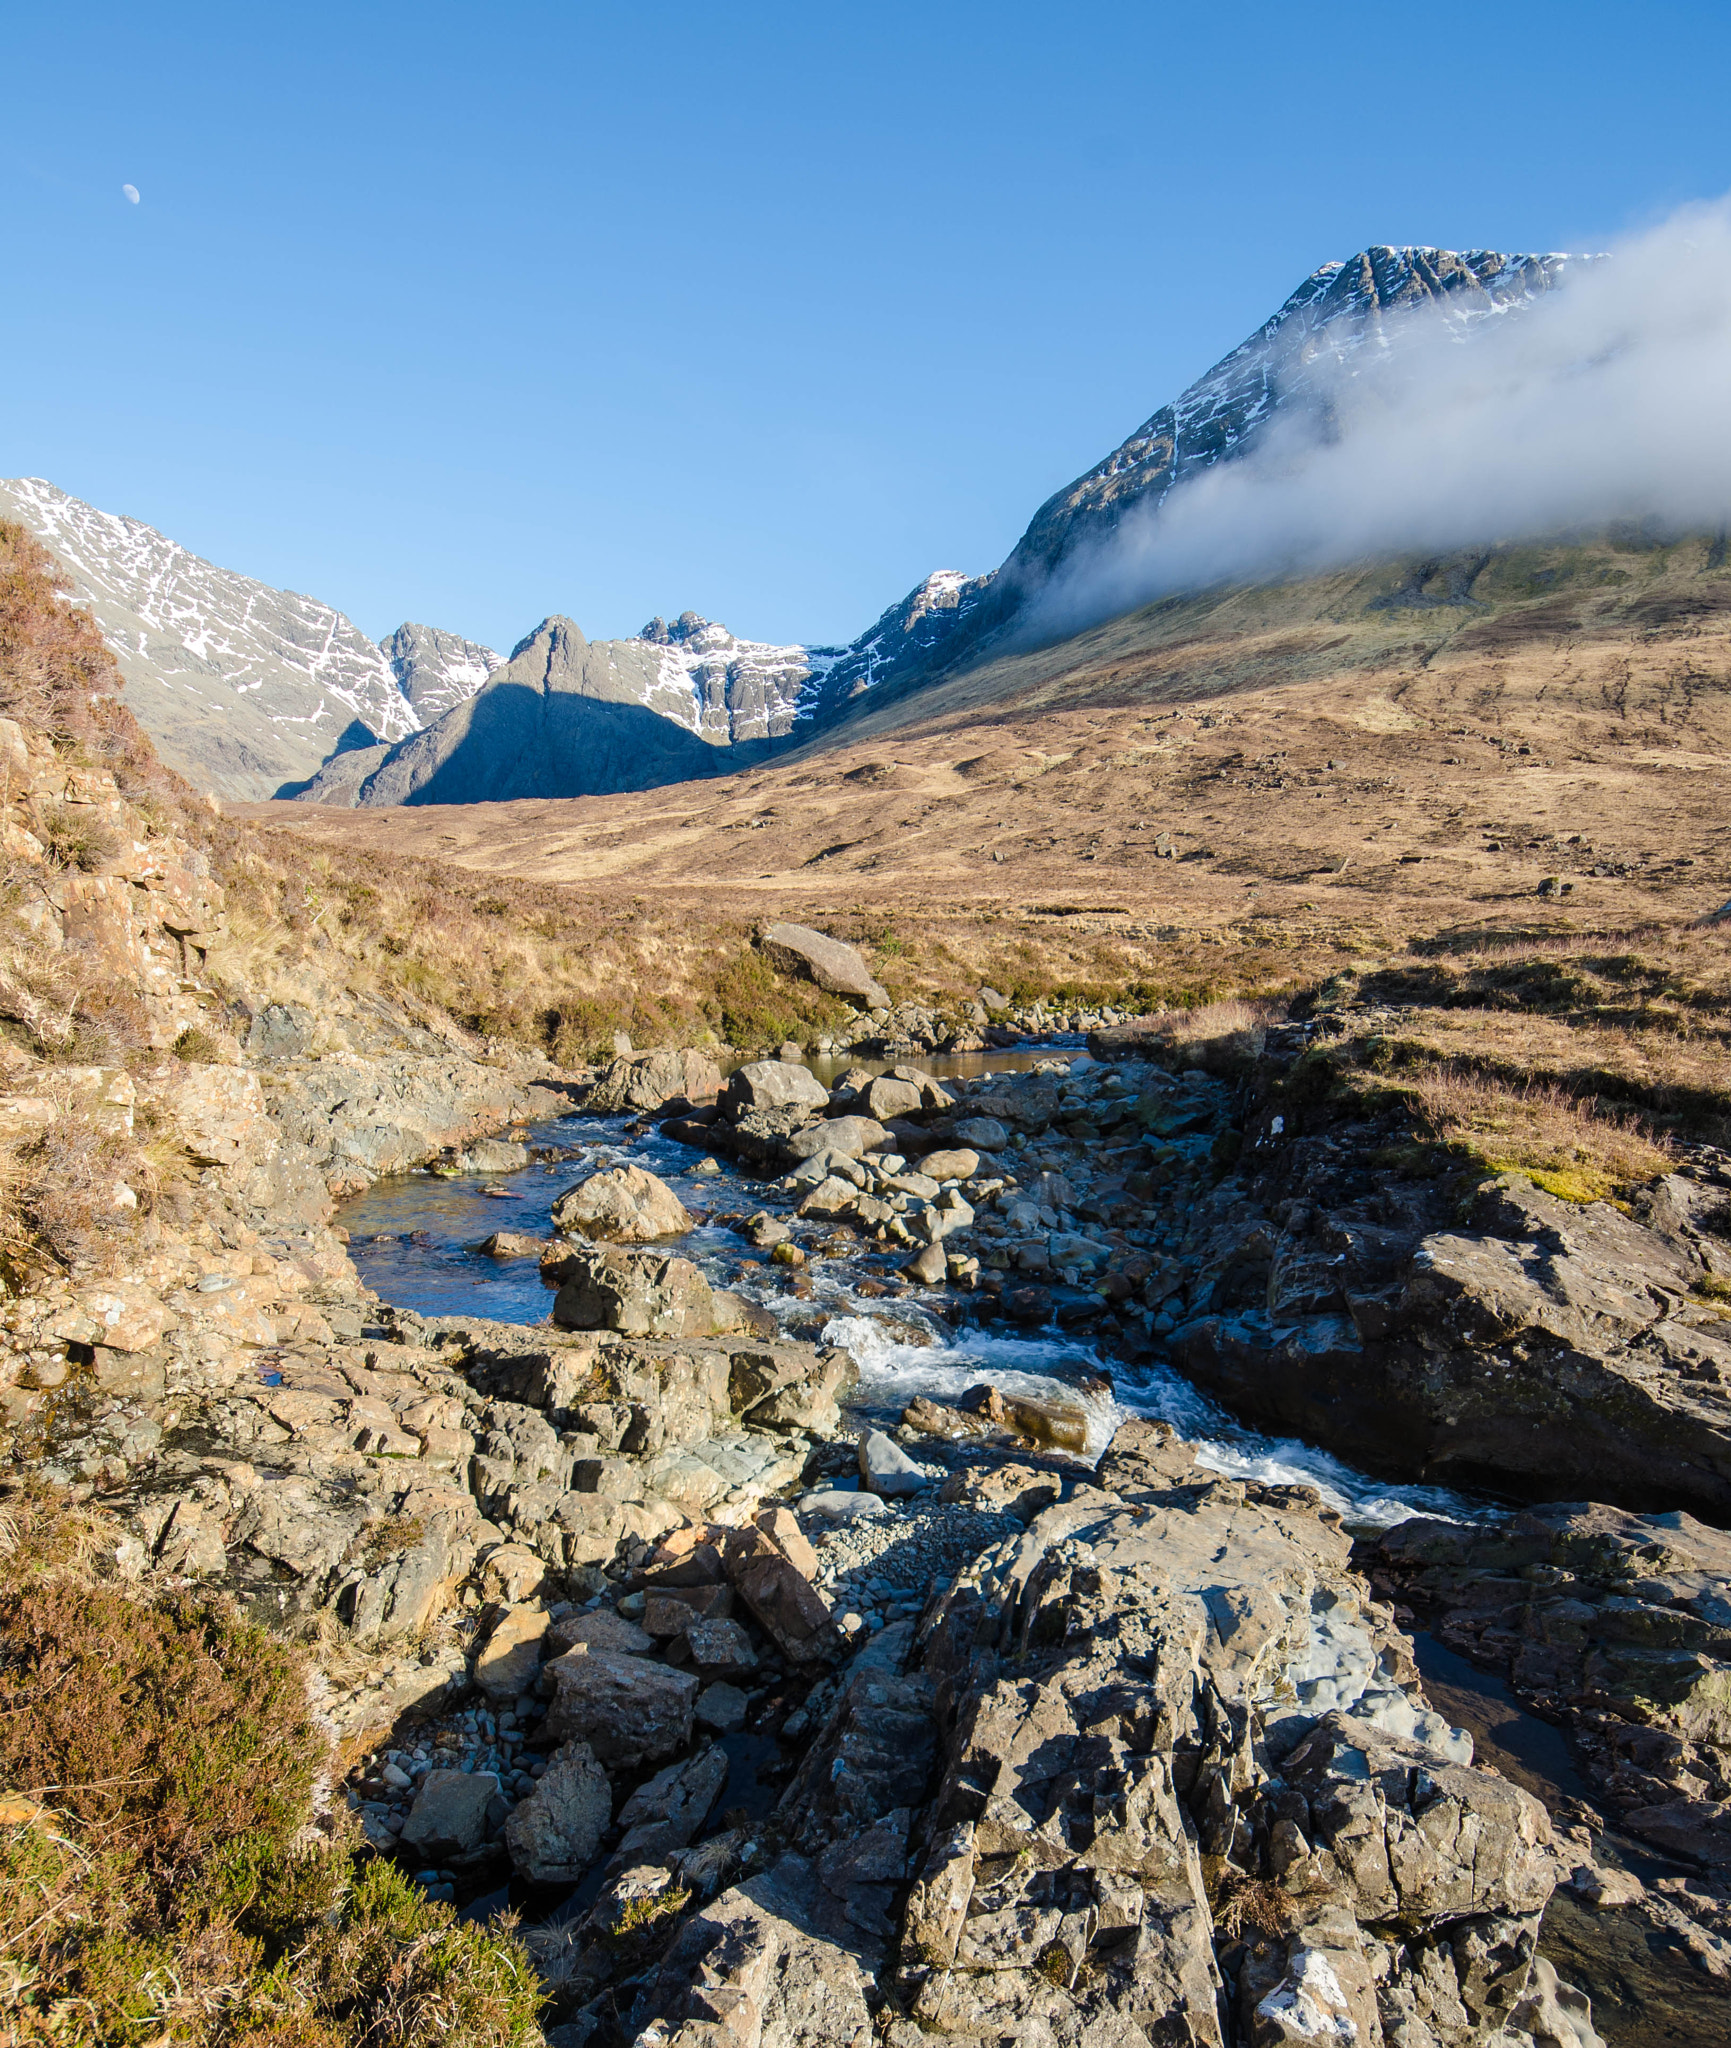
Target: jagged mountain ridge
[[293, 666], [729, 700], [1290, 363]]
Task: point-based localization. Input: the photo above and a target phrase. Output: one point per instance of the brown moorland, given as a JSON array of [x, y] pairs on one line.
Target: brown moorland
[[1491, 789]]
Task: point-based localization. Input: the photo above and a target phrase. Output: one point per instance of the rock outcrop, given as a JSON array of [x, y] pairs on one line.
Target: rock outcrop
[[1615, 1624], [1122, 1816]]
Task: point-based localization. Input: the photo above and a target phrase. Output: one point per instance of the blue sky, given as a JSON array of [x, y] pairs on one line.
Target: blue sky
[[469, 315]]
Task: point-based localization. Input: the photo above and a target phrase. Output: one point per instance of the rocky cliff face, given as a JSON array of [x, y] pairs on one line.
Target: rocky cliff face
[[435, 670]]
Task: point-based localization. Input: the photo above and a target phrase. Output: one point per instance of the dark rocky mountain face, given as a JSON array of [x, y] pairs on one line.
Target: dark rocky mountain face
[[565, 716]]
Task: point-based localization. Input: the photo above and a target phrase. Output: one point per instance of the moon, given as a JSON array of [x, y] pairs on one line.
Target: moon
[[131, 192]]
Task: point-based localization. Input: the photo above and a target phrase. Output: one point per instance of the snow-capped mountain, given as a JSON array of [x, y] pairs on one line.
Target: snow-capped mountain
[[565, 716], [248, 689], [1290, 363], [243, 687], [435, 670]]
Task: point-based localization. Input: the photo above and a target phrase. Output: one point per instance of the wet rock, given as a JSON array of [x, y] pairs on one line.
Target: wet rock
[[449, 1816], [831, 963], [1043, 1422], [932, 1418], [513, 1244], [623, 1205], [1617, 1623], [553, 1835], [886, 1469], [1542, 1347], [644, 1294], [628, 1710]]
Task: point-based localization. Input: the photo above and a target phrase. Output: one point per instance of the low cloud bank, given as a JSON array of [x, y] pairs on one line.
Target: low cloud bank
[[1609, 398]]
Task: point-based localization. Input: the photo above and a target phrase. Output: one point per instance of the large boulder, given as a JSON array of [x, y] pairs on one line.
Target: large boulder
[[642, 1294], [983, 1133], [647, 1081], [554, 1833], [772, 1084], [623, 1205], [511, 1659], [848, 1137], [832, 963], [889, 1097], [449, 1816], [627, 1709]]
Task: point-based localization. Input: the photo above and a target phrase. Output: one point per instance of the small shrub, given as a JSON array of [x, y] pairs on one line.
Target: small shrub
[[58, 1194], [170, 1888], [76, 837], [197, 1047]]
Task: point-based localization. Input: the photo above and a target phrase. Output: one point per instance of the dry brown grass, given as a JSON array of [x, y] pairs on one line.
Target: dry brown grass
[[1574, 1149]]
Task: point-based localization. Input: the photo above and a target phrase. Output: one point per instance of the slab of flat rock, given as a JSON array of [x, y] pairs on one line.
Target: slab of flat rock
[[628, 1710], [885, 1468], [554, 1833], [449, 1816], [605, 1629], [832, 963], [623, 1205]]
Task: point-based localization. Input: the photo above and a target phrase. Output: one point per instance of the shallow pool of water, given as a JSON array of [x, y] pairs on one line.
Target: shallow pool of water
[[416, 1238]]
